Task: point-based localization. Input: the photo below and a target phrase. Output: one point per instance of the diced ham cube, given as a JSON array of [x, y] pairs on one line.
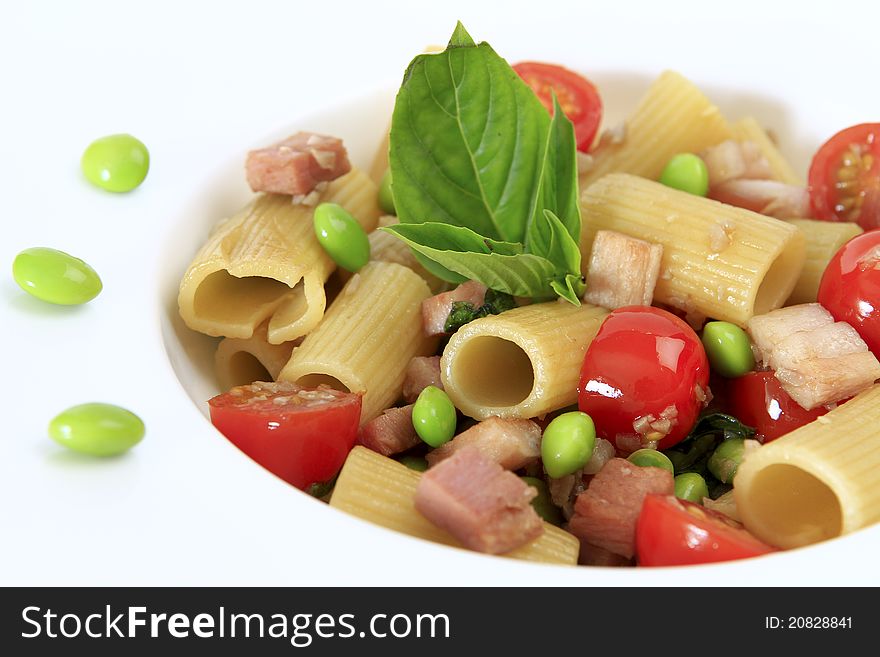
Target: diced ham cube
[[769, 197], [606, 513], [512, 444], [819, 381], [435, 310], [770, 329], [731, 160], [297, 164], [390, 433], [623, 270], [593, 555], [826, 341], [485, 507], [422, 371]]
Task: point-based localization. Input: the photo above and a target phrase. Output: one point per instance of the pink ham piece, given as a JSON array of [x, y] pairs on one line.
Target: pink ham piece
[[485, 507], [435, 310], [512, 444], [422, 371], [592, 555], [390, 433], [769, 197], [732, 160], [605, 514], [297, 164]]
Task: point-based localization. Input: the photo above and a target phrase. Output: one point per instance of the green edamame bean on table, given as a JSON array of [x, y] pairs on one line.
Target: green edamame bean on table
[[434, 417], [116, 163], [341, 236], [728, 349], [567, 443], [688, 173], [726, 459], [417, 463], [97, 429], [386, 198], [651, 458], [55, 276], [692, 487]]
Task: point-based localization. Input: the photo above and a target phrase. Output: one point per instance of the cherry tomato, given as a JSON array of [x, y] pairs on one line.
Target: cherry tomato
[[850, 287], [845, 177], [577, 96], [645, 377], [302, 435], [675, 532], [758, 400]]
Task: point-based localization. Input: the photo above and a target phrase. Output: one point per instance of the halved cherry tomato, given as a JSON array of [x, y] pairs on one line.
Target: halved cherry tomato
[[645, 378], [675, 532], [577, 96], [302, 435], [758, 400], [845, 177], [850, 287]]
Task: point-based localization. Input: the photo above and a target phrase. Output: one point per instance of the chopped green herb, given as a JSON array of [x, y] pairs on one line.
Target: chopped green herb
[[464, 312]]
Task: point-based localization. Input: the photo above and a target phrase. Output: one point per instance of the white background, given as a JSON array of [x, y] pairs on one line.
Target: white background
[[199, 82]]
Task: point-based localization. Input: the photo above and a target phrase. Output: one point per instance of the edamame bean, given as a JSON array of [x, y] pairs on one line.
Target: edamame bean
[[728, 349], [386, 199], [651, 458], [692, 487], [688, 173], [543, 503], [116, 163], [97, 429], [567, 443], [726, 458], [55, 276], [417, 463], [434, 417], [342, 236]]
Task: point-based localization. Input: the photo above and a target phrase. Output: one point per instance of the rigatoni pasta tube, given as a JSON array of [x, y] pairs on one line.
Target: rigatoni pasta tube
[[367, 338], [817, 482], [382, 491], [239, 361], [266, 263], [718, 260], [673, 117], [522, 363], [748, 129], [823, 239]]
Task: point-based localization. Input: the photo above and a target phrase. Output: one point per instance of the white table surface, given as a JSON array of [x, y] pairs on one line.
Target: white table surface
[[200, 81]]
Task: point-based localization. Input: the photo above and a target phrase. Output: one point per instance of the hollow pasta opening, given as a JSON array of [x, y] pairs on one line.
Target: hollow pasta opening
[[493, 371], [314, 380], [779, 281], [791, 507], [246, 368], [225, 298]]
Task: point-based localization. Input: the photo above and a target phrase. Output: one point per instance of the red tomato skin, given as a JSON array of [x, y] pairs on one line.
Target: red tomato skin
[[850, 287], [301, 446], [578, 97], [642, 361], [823, 178], [674, 532], [758, 400]]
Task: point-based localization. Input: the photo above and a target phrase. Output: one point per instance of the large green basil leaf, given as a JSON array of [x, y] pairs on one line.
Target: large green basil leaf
[[467, 142]]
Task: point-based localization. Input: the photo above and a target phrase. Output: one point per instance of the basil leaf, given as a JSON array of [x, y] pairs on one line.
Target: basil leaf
[[467, 140], [443, 237], [557, 187], [519, 274]]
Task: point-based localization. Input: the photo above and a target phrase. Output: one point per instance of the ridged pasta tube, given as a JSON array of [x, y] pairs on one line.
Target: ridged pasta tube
[[522, 363], [748, 129], [367, 337], [266, 263], [718, 260], [382, 491], [817, 482], [239, 361], [823, 239], [673, 117]]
